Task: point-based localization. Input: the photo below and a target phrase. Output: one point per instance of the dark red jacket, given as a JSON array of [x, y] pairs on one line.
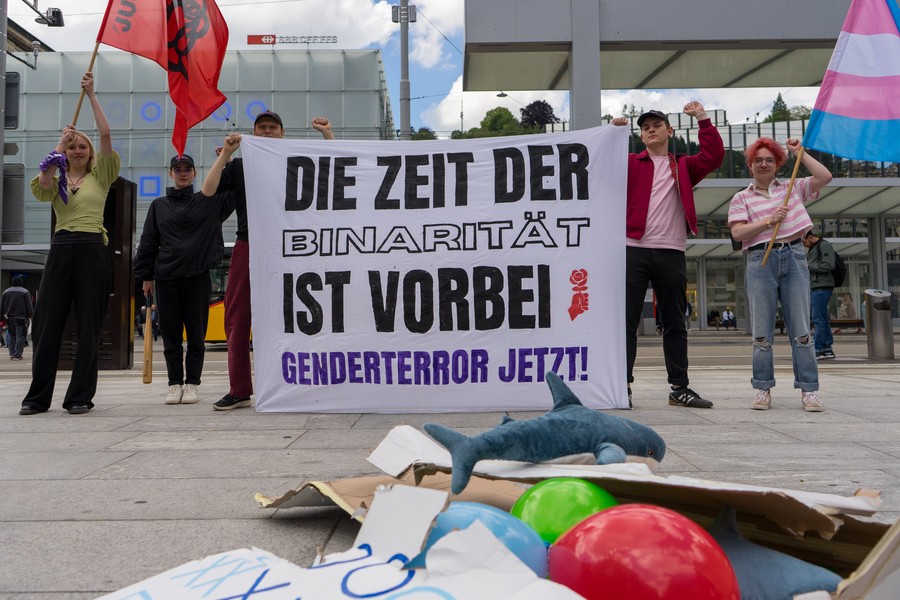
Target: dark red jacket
[[691, 170]]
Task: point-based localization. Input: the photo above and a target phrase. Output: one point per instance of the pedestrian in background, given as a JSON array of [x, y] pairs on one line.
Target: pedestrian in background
[[820, 259], [728, 318], [17, 310], [753, 214]]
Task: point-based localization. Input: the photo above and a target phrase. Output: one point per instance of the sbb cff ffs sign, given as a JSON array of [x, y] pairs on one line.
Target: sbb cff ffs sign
[[271, 39]]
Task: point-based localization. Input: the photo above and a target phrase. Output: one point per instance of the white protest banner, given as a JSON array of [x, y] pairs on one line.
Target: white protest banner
[[436, 276]]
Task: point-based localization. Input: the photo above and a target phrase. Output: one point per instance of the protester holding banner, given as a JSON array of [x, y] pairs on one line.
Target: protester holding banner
[[237, 290], [784, 278], [78, 269], [660, 216], [180, 243]]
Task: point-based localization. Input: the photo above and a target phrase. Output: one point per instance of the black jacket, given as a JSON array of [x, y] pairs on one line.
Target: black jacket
[[820, 260], [16, 302], [182, 234], [233, 181]]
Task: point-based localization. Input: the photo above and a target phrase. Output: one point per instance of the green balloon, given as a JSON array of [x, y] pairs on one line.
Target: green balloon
[[555, 505]]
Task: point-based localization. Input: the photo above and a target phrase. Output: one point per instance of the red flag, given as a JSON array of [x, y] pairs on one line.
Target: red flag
[[187, 38]]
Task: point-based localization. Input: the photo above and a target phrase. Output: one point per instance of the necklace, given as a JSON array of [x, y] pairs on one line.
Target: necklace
[[74, 183]]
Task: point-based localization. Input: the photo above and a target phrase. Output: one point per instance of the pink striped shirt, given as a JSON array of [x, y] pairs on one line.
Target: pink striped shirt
[[755, 204]]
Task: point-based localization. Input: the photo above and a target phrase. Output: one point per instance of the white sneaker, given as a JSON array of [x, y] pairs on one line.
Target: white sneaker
[[811, 402], [174, 395], [762, 401], [190, 394]]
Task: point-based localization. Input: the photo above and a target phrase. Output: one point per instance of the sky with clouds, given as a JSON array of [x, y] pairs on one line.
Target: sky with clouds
[[435, 63]]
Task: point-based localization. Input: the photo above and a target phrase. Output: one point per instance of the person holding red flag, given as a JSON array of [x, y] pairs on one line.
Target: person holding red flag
[[78, 269]]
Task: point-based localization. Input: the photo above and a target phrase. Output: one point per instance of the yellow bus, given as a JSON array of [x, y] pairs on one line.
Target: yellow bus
[[215, 329]]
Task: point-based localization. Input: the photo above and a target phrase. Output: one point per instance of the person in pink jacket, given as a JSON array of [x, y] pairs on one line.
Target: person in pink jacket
[[659, 218]]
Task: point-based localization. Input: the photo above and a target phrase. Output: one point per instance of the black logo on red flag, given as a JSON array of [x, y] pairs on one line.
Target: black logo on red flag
[[194, 25]]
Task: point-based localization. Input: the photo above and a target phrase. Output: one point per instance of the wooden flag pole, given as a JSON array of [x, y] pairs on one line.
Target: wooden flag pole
[[147, 373], [787, 198], [81, 97]]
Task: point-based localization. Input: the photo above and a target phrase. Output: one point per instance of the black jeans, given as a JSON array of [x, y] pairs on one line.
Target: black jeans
[[666, 271], [184, 311], [79, 274]]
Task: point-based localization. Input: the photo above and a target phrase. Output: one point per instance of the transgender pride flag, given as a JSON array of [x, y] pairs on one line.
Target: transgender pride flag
[[857, 112]]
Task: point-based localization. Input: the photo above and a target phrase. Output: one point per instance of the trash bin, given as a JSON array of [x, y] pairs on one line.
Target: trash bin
[[879, 325]]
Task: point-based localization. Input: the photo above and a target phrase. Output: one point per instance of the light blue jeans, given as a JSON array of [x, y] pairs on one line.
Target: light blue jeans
[[785, 279]]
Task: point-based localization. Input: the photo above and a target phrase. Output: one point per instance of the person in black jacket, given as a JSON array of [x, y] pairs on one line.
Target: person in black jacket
[[16, 309], [820, 261], [180, 243]]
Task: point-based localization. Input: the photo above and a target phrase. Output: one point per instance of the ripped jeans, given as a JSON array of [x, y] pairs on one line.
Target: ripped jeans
[[784, 279]]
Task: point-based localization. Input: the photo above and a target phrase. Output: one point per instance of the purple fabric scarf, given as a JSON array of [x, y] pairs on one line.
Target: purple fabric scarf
[[55, 158]]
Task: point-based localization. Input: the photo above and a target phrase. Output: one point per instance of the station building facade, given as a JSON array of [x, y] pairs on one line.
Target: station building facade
[[347, 86]]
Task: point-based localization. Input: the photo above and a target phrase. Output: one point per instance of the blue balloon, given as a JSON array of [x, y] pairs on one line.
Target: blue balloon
[[517, 536]]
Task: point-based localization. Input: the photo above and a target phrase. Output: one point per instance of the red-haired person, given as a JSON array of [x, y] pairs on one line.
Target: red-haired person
[[753, 214]]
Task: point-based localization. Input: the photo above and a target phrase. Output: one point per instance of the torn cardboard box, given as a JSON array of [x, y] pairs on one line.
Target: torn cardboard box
[[824, 529], [470, 564]]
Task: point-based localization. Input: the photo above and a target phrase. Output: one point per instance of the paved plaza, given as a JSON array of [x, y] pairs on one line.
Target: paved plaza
[[95, 502]]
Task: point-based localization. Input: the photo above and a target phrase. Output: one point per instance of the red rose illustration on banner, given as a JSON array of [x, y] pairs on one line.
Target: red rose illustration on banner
[[578, 279]]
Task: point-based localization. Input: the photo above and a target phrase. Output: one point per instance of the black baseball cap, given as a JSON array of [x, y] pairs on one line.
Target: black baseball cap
[[653, 114], [183, 159], [268, 114]]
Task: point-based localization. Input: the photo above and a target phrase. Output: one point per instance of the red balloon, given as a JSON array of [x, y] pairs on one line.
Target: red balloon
[[642, 552]]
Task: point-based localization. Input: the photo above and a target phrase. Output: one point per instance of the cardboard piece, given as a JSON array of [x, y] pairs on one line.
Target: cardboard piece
[[468, 565], [825, 529], [354, 495]]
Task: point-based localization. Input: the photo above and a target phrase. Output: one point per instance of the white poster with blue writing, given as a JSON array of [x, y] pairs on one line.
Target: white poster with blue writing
[[435, 276]]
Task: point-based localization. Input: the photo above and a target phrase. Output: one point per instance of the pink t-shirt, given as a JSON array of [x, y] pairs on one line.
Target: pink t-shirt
[[666, 227], [755, 204]]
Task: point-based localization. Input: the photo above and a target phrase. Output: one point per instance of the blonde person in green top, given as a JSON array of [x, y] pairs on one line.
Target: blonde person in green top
[[78, 271]]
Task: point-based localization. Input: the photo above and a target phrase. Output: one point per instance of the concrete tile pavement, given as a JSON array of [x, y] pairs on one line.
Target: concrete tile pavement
[[95, 502]]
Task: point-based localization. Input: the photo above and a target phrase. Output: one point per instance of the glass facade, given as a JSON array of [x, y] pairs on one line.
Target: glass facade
[[347, 86]]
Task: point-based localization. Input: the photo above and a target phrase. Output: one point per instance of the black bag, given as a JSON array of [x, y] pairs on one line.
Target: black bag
[[840, 270]]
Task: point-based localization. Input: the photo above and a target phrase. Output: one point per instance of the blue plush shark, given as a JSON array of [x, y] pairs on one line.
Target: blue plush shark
[[569, 428]]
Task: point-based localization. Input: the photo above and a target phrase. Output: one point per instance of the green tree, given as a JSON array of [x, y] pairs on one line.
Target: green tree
[[800, 113], [500, 120], [497, 121], [424, 133], [779, 112], [631, 111], [538, 115]]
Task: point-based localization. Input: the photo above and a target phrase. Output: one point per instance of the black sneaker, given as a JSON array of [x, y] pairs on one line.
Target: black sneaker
[[826, 354], [687, 397], [630, 405], [229, 402]]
